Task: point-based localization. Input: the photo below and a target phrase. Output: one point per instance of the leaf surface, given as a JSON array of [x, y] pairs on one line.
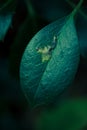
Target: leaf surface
[[42, 81]]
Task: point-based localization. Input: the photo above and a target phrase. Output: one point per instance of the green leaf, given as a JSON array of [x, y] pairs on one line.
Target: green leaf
[[42, 81], [5, 23], [70, 115]]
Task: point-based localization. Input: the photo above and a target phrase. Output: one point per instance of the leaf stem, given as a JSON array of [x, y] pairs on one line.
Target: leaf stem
[[80, 10], [30, 8], [77, 8]]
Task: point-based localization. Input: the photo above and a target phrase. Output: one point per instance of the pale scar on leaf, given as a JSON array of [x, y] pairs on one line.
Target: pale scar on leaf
[[46, 51]]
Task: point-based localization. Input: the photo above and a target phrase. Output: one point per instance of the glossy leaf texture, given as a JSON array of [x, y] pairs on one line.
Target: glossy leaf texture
[[70, 115], [5, 23], [41, 81]]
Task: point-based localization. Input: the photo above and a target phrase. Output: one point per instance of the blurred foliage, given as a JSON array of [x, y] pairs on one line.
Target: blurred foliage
[[5, 23], [82, 35], [7, 6], [50, 10], [70, 115]]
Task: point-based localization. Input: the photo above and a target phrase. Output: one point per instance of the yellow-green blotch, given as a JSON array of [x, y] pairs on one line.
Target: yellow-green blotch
[[45, 53]]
